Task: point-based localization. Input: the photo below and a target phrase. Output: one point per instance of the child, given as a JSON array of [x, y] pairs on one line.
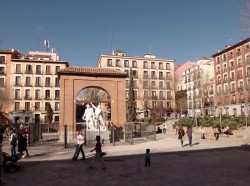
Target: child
[[147, 158], [98, 150], [1, 159]]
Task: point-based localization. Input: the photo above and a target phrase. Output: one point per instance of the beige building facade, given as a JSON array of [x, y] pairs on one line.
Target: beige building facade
[[34, 83], [153, 78]]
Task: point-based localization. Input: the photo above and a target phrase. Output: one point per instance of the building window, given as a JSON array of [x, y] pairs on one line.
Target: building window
[[57, 69], [38, 94], [135, 75], [47, 81], [2, 60], [146, 95], [134, 64], [145, 84], [153, 84], [57, 94], [153, 65], [38, 69], [145, 64], [160, 65], [27, 94], [109, 62], [18, 68], [153, 104], [48, 69], [126, 63], [17, 94], [18, 81], [224, 57], [57, 106], [57, 83], [47, 94], [38, 81], [28, 69], [160, 75], [37, 105], [56, 118], [17, 106], [153, 76], [28, 81], [117, 62], [167, 66], [161, 84], [27, 106]]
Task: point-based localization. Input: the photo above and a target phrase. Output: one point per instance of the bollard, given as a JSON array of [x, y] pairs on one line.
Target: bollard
[[65, 136]]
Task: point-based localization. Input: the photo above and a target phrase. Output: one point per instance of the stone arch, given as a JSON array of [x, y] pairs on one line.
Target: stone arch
[[74, 79]]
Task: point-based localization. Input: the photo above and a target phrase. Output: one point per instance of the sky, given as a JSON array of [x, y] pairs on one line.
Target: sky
[[82, 30]]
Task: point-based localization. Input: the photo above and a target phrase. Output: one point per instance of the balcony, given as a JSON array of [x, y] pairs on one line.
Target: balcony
[[18, 85], [225, 80], [18, 98], [232, 79], [48, 73], [39, 72], [38, 98], [27, 97], [28, 85], [232, 68], [47, 98], [169, 97], [145, 76], [161, 77], [217, 72], [57, 97], [38, 85], [18, 72], [28, 72], [233, 90], [154, 97], [225, 70], [57, 85], [239, 65], [47, 85]]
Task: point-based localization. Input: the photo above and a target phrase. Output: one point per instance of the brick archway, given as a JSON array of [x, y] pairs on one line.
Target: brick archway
[[74, 79]]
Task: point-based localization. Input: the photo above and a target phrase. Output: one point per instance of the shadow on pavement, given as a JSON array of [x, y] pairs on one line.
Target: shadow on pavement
[[220, 166]]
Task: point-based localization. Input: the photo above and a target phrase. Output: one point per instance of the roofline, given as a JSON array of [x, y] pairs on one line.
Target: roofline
[[92, 74], [232, 47], [40, 61]]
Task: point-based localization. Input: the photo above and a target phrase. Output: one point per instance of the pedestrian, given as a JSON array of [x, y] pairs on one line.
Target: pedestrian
[[147, 158], [190, 134], [98, 154], [1, 159], [13, 142], [202, 133], [181, 134], [22, 144], [79, 146]]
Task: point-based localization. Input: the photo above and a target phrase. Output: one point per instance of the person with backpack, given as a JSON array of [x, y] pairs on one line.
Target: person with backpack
[[181, 134]]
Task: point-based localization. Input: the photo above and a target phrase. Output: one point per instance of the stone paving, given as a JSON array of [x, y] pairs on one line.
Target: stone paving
[[207, 162]]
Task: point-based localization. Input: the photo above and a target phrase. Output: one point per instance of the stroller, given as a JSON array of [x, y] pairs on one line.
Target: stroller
[[10, 163]]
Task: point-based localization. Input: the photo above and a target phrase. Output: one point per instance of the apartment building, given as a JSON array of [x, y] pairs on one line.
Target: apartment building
[[232, 79], [153, 79], [198, 81], [178, 74], [34, 82]]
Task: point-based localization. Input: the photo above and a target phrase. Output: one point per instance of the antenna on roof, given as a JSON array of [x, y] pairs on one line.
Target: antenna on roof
[[38, 35], [111, 39], [150, 52]]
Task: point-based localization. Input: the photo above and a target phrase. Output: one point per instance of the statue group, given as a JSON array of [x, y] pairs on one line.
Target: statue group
[[93, 116]]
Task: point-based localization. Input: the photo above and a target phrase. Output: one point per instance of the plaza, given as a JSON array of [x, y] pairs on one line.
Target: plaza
[[207, 162]]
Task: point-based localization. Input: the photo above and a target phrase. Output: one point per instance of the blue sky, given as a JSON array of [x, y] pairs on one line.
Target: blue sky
[[81, 30]]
